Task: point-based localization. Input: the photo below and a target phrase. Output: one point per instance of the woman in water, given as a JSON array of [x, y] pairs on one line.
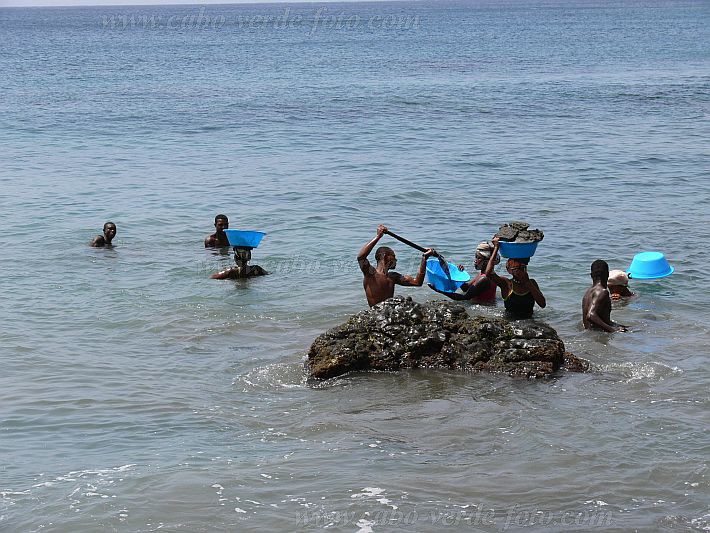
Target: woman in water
[[520, 293], [479, 290]]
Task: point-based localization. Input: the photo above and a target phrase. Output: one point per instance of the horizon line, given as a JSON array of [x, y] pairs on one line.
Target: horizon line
[[153, 3]]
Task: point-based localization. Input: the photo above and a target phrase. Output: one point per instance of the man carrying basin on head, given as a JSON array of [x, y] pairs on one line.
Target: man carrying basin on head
[[480, 289], [520, 293], [596, 303], [105, 240], [219, 238], [242, 269], [378, 281]]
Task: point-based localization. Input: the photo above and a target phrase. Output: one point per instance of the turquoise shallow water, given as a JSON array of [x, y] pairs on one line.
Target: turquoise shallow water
[[137, 394]]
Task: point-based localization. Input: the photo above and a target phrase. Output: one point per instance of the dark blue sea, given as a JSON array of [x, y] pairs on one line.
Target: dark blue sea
[[137, 394]]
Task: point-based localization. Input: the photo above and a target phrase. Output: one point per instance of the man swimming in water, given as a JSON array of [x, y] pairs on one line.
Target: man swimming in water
[[379, 282], [242, 269], [219, 238], [520, 293], [104, 240], [596, 303], [479, 290]]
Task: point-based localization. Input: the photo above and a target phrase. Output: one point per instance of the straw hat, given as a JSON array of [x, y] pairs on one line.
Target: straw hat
[[618, 277]]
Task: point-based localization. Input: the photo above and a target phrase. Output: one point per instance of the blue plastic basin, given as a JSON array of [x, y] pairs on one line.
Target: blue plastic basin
[[437, 277], [517, 250], [244, 239], [649, 265]]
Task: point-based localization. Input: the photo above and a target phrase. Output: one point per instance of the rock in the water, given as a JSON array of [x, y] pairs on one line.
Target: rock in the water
[[400, 333], [519, 232]]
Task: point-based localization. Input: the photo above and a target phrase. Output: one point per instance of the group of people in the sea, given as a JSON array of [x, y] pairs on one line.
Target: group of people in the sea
[[218, 239], [520, 292]]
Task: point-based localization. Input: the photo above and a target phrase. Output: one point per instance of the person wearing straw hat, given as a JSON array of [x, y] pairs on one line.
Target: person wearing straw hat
[[596, 303], [618, 285], [479, 290], [378, 281]]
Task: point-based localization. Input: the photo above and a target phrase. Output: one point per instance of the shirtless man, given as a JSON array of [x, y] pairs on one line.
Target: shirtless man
[[104, 240], [596, 304], [379, 282], [219, 238], [242, 269]]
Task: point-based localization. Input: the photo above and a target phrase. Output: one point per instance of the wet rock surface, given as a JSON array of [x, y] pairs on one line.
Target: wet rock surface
[[519, 232], [400, 333]]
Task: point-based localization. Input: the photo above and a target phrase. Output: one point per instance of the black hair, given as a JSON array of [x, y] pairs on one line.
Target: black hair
[[220, 217], [382, 251], [107, 223], [600, 270], [523, 260]]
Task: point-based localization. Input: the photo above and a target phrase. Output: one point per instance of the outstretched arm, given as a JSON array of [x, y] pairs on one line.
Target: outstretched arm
[[470, 291], [409, 281], [225, 274], [258, 271], [362, 260]]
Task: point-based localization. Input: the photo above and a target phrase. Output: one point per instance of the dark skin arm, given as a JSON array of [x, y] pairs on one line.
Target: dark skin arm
[[256, 270], [98, 241], [225, 274], [532, 286], [503, 283], [592, 315], [409, 281], [362, 260], [470, 291]]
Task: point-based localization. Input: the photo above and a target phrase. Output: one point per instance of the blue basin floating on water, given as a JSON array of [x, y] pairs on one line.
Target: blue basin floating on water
[[437, 277], [517, 250], [244, 239], [650, 265]]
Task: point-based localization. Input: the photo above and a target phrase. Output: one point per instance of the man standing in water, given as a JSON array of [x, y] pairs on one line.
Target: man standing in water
[[596, 304], [242, 269], [379, 282], [104, 240], [219, 238]]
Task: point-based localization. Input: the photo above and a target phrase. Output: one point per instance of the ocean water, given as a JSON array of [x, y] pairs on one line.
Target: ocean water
[[136, 394]]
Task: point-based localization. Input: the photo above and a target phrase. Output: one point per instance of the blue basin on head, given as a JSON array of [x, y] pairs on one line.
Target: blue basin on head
[[244, 239], [649, 265], [517, 250], [437, 277]]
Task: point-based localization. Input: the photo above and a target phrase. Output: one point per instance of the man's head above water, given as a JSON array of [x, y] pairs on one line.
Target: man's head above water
[[386, 256], [221, 223], [109, 231], [600, 271], [242, 256]]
